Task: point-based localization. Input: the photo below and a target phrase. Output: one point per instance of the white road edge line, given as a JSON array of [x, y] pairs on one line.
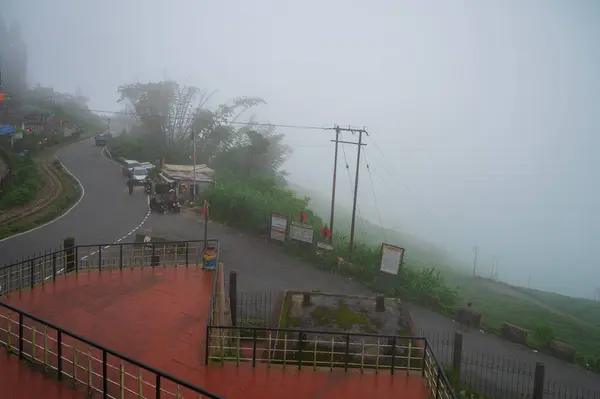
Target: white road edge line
[[60, 216], [120, 239]]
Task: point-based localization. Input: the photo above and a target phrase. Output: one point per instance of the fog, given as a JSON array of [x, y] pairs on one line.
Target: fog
[[486, 113]]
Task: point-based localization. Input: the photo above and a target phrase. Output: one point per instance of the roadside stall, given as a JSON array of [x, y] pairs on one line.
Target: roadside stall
[[186, 180]]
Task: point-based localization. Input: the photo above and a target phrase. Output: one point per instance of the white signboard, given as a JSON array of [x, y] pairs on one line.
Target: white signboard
[[391, 258], [302, 232], [278, 227]]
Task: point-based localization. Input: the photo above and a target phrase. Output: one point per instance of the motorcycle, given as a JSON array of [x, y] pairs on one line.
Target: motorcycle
[[174, 207], [158, 207]]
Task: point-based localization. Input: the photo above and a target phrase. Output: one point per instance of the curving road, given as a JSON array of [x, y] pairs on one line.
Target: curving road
[[106, 213]]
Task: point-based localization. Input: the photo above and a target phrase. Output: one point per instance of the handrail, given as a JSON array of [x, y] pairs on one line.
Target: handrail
[[155, 244], [105, 351], [311, 331], [111, 352], [330, 349], [445, 379]]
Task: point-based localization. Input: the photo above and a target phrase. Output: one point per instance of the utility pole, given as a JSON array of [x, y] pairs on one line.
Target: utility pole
[[475, 251], [494, 274], [529, 282], [353, 225], [335, 161], [194, 163], [337, 141], [108, 125]]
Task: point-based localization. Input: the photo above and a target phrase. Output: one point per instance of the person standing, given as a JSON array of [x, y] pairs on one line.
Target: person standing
[[130, 185]]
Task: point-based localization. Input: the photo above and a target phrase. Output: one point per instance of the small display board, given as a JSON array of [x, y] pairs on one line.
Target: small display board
[[391, 258], [278, 227], [301, 229]]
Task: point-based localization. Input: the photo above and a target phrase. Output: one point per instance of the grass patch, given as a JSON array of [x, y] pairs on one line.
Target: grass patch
[[498, 308], [69, 195], [342, 317]]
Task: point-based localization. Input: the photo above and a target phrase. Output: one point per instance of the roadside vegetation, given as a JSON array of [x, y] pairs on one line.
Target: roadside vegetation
[[70, 192], [25, 182], [251, 186]]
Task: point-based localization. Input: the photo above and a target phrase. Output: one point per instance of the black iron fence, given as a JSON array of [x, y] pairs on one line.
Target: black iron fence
[[47, 266], [327, 350], [497, 377], [502, 377], [90, 366]]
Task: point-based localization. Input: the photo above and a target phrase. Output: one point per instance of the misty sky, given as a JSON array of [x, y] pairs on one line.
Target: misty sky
[[487, 111]]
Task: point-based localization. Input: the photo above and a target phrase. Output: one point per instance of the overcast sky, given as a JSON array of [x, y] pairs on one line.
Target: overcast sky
[[486, 112]]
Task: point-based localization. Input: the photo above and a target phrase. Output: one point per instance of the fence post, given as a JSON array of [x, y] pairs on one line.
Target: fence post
[[31, 274], [20, 334], [54, 265], [121, 256], [69, 245], [104, 372], [233, 297], [380, 303], [457, 352], [99, 257], [59, 359], [538, 381], [187, 252]]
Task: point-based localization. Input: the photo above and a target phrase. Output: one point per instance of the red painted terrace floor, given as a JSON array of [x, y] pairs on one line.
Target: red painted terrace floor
[[19, 381], [158, 317]]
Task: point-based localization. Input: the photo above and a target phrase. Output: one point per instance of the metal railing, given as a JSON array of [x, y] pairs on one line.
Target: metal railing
[[99, 369], [501, 377], [327, 350], [47, 266]]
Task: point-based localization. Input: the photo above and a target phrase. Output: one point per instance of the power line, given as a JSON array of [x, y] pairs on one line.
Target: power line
[[375, 197], [362, 228], [393, 171], [279, 125]]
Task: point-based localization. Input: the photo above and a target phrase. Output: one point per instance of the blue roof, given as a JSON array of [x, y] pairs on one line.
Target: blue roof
[[7, 129]]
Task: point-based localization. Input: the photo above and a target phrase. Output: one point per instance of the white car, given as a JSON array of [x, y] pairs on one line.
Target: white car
[[139, 175], [128, 166]]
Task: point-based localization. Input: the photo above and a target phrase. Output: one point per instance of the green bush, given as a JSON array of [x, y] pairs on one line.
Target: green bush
[[249, 204], [543, 336], [26, 182]]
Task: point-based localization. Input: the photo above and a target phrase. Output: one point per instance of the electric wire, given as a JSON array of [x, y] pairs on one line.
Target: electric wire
[[359, 217], [374, 196], [391, 171], [278, 125]]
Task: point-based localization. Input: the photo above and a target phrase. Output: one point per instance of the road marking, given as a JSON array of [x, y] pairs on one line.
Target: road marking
[[122, 238], [134, 229], [60, 216]]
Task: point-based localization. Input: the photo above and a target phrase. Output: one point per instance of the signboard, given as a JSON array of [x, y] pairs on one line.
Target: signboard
[[300, 228], [278, 227], [391, 258], [325, 232]]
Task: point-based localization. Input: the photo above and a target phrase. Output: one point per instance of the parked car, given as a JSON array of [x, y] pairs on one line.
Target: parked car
[[128, 166], [139, 175]]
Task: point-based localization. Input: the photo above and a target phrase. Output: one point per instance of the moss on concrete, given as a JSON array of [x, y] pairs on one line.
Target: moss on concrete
[[343, 317]]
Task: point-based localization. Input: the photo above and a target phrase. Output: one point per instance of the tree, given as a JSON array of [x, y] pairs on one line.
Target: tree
[[168, 116], [163, 111]]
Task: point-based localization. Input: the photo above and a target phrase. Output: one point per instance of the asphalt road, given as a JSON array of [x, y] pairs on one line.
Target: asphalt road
[[105, 214]]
